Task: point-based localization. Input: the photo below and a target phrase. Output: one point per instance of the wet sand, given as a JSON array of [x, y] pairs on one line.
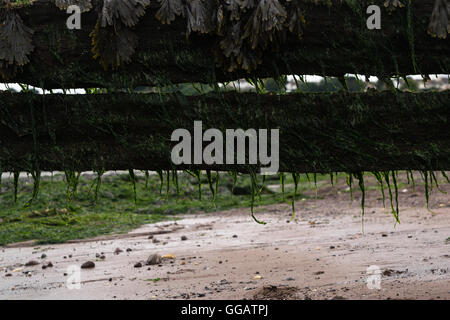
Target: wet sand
[[321, 254]]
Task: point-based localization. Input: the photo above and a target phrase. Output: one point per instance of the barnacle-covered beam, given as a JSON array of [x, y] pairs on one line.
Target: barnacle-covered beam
[[329, 132], [173, 41]]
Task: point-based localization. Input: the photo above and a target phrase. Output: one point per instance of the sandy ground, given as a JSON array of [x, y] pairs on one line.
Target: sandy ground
[[321, 254]]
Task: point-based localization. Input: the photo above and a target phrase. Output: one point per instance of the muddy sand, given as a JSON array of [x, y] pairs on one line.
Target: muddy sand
[[321, 254]]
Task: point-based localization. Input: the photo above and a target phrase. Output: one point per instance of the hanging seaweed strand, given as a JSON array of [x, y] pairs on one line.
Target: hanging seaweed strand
[[16, 184], [360, 177], [379, 178], [133, 183], [36, 174], [161, 180], [167, 184], [394, 180], [296, 177], [282, 182], [255, 192], [147, 177]]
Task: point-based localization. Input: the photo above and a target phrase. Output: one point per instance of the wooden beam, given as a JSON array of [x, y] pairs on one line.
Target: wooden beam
[[336, 41], [330, 132]]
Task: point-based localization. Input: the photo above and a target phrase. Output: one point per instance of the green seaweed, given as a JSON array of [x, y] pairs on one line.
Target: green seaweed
[[133, 183], [16, 184], [255, 192]]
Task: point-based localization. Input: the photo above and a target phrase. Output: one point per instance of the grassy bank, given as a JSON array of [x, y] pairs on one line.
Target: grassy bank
[[56, 215]]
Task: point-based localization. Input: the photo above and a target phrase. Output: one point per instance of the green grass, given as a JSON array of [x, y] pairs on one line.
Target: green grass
[[53, 218]]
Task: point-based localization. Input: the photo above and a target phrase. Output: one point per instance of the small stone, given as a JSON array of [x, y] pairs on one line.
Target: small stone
[[43, 256], [153, 259], [118, 251], [235, 236], [150, 237], [8, 275], [332, 247], [154, 240], [88, 265], [290, 279], [138, 265], [183, 238], [319, 272], [31, 263], [97, 255], [384, 235], [129, 250]]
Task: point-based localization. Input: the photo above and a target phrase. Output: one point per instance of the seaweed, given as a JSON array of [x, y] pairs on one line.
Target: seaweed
[[15, 39]]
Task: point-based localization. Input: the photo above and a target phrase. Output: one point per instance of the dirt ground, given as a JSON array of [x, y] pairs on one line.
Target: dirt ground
[[321, 254]]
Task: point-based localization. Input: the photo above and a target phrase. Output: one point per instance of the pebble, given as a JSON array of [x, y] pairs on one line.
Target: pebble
[[183, 238], [138, 265], [153, 259], [319, 272], [290, 279], [118, 250], [88, 265], [31, 263]]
